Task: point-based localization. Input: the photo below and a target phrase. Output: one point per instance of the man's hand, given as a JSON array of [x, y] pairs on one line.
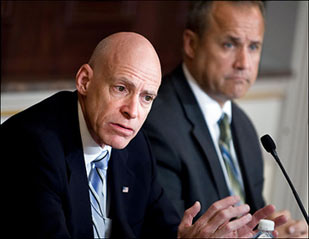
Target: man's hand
[[247, 230], [215, 222], [293, 228]]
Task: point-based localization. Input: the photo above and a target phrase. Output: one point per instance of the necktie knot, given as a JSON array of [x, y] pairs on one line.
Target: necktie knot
[[101, 161], [225, 130]]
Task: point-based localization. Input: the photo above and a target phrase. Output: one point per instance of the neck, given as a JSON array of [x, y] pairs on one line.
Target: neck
[[220, 99]]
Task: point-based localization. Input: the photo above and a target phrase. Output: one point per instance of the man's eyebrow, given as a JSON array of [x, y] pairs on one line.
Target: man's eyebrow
[[237, 40], [131, 84], [233, 39], [125, 81], [152, 93]]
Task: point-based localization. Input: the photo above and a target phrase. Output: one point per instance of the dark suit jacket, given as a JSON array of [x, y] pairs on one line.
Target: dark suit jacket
[[46, 187], [188, 164]]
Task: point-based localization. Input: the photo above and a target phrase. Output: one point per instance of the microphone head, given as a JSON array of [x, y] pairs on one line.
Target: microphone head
[[268, 143]]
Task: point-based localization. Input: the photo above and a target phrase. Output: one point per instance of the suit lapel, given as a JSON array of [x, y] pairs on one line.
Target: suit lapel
[[200, 130], [120, 180], [76, 172]]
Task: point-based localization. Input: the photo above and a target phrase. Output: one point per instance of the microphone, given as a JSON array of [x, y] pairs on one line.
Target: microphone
[[270, 146]]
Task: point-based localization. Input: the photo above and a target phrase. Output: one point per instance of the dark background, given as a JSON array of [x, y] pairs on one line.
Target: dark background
[[50, 40], [43, 43]]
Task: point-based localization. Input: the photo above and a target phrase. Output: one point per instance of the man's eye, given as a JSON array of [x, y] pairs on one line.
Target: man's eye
[[227, 45], [254, 47], [148, 98], [120, 88]]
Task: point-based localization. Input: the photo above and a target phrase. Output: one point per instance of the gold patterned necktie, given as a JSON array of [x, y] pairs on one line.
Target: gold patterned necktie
[[224, 144]]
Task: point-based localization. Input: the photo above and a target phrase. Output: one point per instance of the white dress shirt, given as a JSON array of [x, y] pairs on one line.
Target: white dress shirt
[[91, 152], [212, 112]]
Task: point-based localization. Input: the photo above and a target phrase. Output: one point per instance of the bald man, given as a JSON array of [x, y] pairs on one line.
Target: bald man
[[78, 167]]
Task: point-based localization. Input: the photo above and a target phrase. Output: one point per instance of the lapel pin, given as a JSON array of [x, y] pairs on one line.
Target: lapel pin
[[125, 189]]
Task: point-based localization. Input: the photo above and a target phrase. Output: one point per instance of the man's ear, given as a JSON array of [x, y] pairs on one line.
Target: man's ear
[[83, 77], [190, 43]]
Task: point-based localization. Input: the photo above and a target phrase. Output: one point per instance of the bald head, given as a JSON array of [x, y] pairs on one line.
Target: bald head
[[117, 87], [124, 47]]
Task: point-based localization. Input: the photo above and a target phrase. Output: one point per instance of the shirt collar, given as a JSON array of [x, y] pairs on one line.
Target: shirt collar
[[210, 108], [91, 149]]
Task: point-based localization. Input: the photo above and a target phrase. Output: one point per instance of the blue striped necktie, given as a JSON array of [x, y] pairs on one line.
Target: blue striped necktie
[[97, 179], [224, 144]]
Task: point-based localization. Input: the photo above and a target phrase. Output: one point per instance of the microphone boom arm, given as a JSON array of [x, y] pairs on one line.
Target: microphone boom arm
[[275, 155]]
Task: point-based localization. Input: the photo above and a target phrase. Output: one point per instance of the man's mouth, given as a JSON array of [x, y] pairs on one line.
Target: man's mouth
[[239, 79], [122, 129]]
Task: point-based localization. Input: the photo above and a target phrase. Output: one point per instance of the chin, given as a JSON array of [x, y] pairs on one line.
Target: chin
[[237, 94], [118, 142], [119, 146]]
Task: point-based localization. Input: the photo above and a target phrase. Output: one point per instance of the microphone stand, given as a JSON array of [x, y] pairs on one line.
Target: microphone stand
[[275, 155]]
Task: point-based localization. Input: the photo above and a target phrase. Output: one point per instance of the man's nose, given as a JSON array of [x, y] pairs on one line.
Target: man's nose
[[242, 59], [130, 107]]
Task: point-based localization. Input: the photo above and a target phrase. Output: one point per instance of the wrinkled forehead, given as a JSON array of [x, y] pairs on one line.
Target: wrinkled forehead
[[140, 71]]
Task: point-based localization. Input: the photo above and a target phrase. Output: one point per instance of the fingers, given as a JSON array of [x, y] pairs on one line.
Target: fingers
[[189, 214], [300, 227], [295, 229], [245, 232], [216, 220], [280, 220], [286, 213], [286, 227], [185, 228], [218, 206], [222, 212], [235, 225], [261, 214], [269, 212], [275, 234], [227, 214]]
